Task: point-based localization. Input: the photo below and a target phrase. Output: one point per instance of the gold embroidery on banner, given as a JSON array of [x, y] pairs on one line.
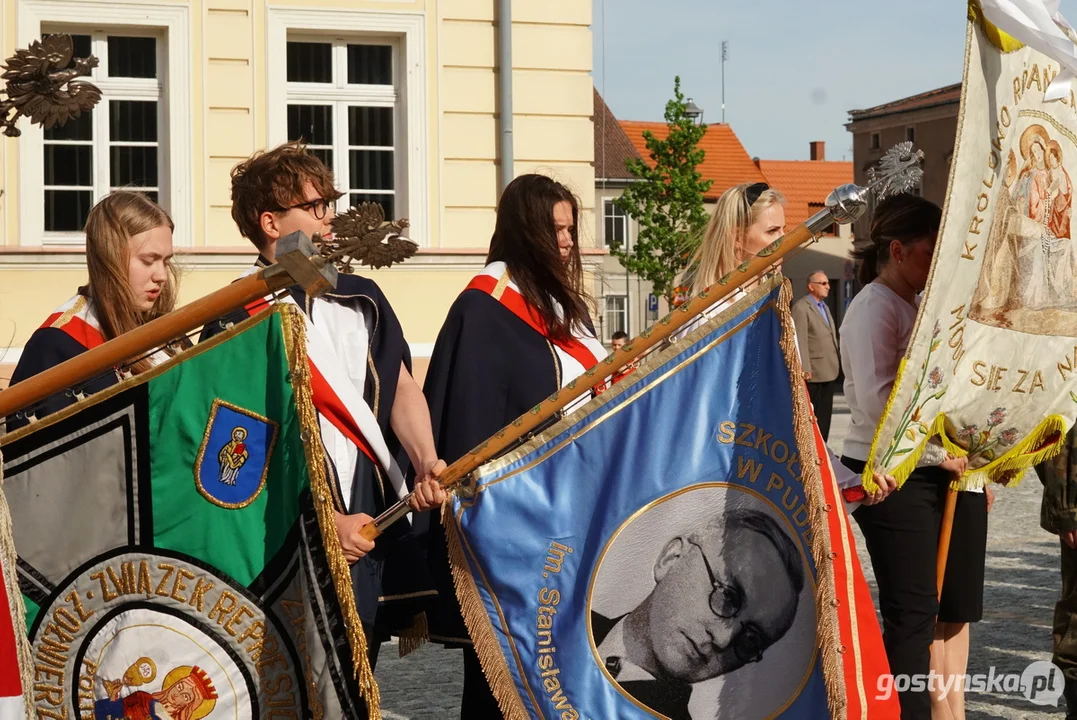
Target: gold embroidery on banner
[[1041, 115], [74, 310], [218, 403]]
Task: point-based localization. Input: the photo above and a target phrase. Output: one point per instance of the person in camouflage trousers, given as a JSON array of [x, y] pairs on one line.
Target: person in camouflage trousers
[[1058, 515]]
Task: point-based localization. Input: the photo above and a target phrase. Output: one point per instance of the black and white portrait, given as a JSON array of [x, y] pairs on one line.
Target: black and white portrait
[[706, 587]]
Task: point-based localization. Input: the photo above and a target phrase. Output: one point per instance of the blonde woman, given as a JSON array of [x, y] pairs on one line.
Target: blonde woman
[[747, 219], [131, 281]]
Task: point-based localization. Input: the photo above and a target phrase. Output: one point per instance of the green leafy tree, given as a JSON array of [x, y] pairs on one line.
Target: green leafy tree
[[666, 200]]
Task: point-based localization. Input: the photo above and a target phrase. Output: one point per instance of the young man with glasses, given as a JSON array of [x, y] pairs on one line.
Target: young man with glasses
[[818, 340], [274, 194], [723, 595]]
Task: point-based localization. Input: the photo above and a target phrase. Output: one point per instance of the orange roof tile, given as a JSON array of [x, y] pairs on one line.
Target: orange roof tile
[[805, 184], [726, 162]]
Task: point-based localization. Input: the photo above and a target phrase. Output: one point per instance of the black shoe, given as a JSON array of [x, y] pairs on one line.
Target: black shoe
[[1069, 691]]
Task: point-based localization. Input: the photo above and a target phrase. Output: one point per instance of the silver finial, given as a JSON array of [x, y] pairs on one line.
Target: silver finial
[[898, 170]]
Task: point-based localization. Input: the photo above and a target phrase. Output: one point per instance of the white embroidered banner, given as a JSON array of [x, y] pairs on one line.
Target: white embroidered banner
[[992, 365]]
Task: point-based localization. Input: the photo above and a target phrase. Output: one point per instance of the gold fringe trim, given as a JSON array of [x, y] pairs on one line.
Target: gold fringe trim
[[414, 637], [295, 341], [1006, 468], [827, 631], [478, 624], [8, 566]]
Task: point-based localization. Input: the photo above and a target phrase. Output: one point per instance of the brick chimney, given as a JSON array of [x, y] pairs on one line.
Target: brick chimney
[[818, 150]]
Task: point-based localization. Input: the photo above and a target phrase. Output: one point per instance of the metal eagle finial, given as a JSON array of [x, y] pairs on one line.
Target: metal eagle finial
[[361, 235], [40, 85], [898, 170]]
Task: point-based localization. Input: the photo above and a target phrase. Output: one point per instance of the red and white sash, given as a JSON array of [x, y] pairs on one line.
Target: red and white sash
[[582, 352], [347, 423], [76, 318]]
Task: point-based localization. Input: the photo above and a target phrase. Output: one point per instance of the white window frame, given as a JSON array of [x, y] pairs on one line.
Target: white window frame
[[171, 25], [608, 328], [610, 202], [408, 32]]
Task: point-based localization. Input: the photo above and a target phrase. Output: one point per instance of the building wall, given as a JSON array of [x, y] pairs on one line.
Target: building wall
[[935, 131], [224, 69]]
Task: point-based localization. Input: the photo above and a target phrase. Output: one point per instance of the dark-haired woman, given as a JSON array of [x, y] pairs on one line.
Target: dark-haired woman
[[131, 281], [518, 333], [902, 532]]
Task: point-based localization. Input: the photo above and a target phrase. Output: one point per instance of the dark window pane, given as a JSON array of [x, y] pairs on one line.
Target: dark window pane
[[370, 126], [371, 169], [81, 43], [370, 65], [133, 57], [69, 165], [325, 154], [132, 120], [133, 166], [311, 123], [80, 128], [310, 62], [614, 231], [387, 202], [66, 210]]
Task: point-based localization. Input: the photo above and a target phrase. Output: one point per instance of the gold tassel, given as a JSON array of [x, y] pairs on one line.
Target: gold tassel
[[8, 560], [826, 596], [478, 624], [295, 341], [414, 637]]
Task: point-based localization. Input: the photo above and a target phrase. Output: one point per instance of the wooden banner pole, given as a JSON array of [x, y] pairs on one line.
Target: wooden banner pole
[[722, 290], [294, 265]]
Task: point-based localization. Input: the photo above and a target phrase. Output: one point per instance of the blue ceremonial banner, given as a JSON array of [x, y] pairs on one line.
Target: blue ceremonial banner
[[651, 555]]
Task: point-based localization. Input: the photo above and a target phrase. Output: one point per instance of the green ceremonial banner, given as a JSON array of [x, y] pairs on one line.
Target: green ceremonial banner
[[170, 544]]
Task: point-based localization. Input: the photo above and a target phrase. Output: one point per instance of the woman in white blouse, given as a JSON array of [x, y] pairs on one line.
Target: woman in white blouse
[[902, 533]]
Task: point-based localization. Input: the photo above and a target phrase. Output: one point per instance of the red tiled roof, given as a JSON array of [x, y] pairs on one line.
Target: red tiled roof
[[612, 146], [726, 162], [940, 96], [805, 184]]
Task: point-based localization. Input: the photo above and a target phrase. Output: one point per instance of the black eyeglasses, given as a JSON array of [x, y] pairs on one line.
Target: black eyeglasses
[[318, 208], [726, 602], [752, 193]]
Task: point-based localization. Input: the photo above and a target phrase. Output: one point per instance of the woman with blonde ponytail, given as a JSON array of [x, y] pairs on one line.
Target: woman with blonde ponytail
[[747, 218], [131, 281]]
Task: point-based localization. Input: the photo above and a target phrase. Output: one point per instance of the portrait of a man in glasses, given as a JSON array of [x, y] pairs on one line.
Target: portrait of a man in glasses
[[723, 594]]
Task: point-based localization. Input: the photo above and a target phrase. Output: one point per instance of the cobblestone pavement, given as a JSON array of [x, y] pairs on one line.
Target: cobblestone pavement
[[1021, 588]]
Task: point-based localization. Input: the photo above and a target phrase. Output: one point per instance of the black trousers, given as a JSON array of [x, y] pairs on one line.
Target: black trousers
[[1065, 628], [821, 395], [902, 535], [478, 701]]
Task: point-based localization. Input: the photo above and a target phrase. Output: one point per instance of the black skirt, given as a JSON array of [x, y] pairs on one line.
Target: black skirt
[[890, 522]]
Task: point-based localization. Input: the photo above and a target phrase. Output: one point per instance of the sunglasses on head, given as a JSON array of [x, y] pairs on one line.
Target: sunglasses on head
[[752, 193]]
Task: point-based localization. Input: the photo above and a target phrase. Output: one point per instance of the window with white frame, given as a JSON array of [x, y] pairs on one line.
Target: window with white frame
[[343, 101], [616, 224], [616, 315], [119, 143]]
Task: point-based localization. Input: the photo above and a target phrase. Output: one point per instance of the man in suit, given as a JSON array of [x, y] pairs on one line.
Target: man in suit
[[818, 339], [723, 595]]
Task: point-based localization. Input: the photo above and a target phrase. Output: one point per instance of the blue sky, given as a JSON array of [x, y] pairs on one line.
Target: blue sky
[[795, 67]]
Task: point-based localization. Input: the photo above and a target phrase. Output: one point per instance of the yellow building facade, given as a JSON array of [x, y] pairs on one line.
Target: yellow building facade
[[399, 96]]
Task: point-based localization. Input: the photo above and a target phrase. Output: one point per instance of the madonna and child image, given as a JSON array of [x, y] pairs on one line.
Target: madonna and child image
[[702, 606]]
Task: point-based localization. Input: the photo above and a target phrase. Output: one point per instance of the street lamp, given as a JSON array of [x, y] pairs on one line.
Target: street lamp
[[693, 112]]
